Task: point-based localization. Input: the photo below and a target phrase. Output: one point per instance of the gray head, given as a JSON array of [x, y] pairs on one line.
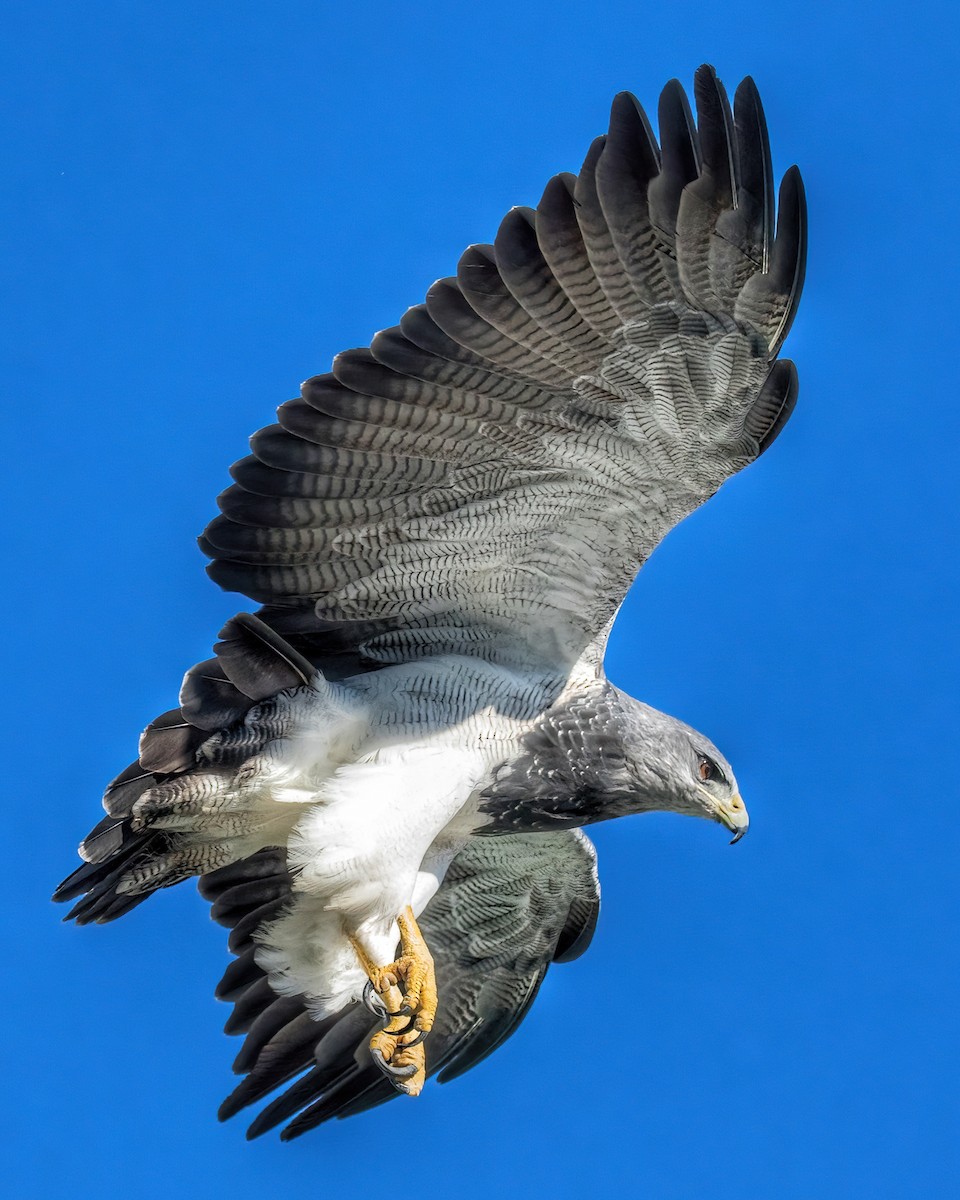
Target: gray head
[[676, 769], [602, 754]]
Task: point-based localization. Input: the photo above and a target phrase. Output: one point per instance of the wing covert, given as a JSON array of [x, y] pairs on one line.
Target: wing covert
[[491, 473]]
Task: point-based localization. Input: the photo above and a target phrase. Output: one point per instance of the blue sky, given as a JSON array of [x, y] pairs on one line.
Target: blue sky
[[204, 204]]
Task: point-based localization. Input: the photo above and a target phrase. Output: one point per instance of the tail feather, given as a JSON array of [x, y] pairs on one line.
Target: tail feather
[[157, 831]]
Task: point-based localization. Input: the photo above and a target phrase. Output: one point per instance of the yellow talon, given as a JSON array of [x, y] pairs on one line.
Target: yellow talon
[[405, 1058], [407, 989]]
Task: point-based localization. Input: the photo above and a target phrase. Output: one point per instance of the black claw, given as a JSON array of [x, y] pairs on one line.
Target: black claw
[[417, 1040], [372, 1001], [410, 1025], [389, 1069]]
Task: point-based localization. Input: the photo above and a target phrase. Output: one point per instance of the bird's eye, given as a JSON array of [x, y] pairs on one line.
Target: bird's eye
[[708, 769]]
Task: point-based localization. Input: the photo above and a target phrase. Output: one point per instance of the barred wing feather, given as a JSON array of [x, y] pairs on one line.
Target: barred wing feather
[[507, 908], [489, 476]]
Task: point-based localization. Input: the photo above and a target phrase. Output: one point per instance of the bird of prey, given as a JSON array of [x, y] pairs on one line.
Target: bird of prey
[[382, 776]]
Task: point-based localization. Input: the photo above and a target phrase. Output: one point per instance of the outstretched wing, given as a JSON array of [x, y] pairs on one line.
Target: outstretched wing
[[507, 908], [489, 475]]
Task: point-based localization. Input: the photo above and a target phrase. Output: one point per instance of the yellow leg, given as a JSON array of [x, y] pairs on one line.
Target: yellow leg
[[408, 989]]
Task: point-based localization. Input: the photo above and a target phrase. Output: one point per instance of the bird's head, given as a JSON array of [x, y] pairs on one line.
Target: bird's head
[[679, 770]]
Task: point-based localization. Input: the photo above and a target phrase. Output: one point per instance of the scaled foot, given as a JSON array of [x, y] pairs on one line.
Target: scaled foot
[[404, 994]]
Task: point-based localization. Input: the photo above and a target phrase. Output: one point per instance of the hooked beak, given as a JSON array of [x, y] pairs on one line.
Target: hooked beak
[[733, 814]]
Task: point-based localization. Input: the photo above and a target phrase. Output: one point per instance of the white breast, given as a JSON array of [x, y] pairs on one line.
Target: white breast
[[383, 823]]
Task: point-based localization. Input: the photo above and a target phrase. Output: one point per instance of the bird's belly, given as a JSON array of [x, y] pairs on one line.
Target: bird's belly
[[384, 825], [379, 837], [362, 843], [437, 731]]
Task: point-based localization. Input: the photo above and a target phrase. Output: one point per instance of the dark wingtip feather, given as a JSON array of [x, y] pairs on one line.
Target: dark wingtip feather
[[680, 158], [358, 1092], [772, 408], [756, 164], [282, 1014], [238, 976], [76, 883], [101, 906], [249, 1007], [628, 121], [679, 140], [304, 1091], [718, 143], [584, 184], [96, 881], [255, 1087], [788, 262]]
